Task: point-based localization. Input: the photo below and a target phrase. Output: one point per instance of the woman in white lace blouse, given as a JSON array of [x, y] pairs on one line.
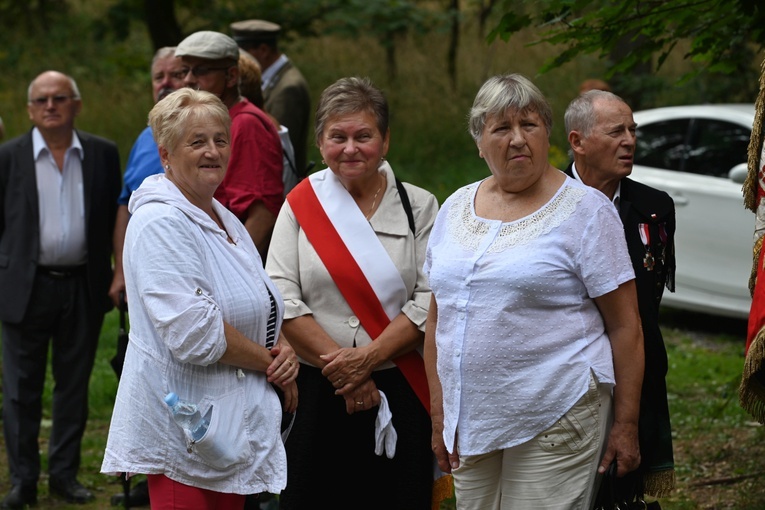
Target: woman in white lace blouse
[[533, 343]]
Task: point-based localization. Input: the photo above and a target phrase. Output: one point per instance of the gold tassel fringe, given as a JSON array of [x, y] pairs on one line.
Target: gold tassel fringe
[[659, 484], [751, 393], [443, 488]]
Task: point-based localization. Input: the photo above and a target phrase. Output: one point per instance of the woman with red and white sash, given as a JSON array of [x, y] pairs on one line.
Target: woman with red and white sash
[[349, 266]]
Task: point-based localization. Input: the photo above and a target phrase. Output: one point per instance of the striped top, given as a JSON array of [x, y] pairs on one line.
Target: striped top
[[271, 325]]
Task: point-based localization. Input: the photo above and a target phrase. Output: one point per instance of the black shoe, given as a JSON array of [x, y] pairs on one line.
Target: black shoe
[[20, 496], [70, 489], [139, 496]]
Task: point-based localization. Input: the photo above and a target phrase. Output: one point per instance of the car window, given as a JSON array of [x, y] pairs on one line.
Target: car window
[[716, 147], [662, 144]]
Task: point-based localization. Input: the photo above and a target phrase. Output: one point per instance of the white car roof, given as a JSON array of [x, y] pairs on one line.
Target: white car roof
[[742, 114]]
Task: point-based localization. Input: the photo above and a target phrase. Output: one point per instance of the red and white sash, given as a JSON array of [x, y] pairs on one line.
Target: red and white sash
[[357, 262]]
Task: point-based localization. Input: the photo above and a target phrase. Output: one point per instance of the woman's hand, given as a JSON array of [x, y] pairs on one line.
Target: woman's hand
[[283, 370], [365, 396], [446, 461], [623, 447], [290, 391], [347, 368]]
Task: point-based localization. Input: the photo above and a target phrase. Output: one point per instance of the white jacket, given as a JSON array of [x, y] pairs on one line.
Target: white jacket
[[183, 279]]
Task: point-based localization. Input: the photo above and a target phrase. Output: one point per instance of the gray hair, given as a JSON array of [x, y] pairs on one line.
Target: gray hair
[[580, 114], [164, 52], [169, 117], [351, 95], [72, 85], [501, 93]]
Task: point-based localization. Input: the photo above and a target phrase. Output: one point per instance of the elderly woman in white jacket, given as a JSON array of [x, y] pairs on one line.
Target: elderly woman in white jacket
[[203, 316]]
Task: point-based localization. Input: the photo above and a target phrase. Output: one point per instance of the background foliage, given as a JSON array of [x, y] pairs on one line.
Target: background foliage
[[430, 57]]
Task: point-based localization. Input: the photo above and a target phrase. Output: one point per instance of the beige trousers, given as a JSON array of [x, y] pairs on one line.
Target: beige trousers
[[557, 470]]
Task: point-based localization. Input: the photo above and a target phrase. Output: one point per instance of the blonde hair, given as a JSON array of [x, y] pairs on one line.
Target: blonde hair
[[169, 117], [250, 79]]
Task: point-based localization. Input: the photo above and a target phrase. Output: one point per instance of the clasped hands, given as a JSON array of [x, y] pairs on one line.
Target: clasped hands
[[283, 371], [349, 370]]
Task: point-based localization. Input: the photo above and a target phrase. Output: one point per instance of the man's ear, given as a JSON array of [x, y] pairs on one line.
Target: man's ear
[[232, 77], [576, 141]]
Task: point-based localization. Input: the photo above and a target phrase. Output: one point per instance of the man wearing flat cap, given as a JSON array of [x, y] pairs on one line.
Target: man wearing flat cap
[[252, 188], [285, 91]]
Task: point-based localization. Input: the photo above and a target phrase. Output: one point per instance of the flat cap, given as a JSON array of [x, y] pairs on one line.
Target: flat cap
[[209, 45], [254, 30]]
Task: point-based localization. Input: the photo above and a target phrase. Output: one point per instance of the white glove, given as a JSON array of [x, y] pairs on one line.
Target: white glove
[[385, 434]]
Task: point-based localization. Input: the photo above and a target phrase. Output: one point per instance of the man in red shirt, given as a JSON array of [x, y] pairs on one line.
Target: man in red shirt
[[252, 188]]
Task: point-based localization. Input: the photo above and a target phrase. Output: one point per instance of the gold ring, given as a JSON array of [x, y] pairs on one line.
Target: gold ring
[[360, 403], [290, 362]]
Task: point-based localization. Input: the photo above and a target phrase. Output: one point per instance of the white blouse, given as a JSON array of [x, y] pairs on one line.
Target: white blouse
[[183, 280], [518, 331]]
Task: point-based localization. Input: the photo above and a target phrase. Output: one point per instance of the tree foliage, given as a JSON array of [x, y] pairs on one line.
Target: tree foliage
[[723, 34]]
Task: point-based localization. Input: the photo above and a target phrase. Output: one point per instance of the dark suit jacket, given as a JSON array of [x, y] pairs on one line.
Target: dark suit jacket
[[655, 210], [20, 225], [287, 98]]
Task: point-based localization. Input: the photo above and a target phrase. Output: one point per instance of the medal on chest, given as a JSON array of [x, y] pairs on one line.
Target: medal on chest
[[645, 237]]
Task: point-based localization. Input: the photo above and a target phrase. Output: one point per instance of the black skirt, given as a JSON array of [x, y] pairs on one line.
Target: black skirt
[[331, 462]]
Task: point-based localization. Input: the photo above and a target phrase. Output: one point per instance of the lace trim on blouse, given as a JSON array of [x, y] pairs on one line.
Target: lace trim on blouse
[[469, 230]]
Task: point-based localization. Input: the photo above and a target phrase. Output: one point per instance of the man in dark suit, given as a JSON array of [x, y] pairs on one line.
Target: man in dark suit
[[601, 133], [285, 91], [58, 201]]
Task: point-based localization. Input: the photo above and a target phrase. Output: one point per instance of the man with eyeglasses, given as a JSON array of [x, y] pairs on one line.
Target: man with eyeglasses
[[58, 202], [252, 188]]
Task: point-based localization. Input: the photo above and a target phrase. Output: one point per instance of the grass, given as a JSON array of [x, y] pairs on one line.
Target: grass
[[718, 448]]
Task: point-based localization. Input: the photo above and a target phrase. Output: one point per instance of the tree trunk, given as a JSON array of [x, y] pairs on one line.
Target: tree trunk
[[484, 10], [163, 26], [454, 41]]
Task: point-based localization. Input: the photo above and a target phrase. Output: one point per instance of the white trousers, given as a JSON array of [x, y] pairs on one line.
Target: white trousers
[[557, 470]]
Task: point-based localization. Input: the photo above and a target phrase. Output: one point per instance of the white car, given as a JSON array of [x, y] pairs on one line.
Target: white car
[[698, 155]]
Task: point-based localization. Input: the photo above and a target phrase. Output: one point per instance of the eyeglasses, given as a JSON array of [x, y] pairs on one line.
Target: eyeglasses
[[57, 100], [198, 71]]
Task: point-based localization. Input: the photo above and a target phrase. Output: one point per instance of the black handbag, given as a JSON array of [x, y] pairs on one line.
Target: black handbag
[[608, 499]]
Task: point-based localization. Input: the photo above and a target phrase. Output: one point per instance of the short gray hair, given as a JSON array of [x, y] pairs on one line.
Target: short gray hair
[[351, 95], [501, 93], [169, 117], [580, 114], [164, 52]]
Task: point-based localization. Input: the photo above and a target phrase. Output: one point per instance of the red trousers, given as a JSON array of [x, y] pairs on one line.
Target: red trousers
[[167, 494]]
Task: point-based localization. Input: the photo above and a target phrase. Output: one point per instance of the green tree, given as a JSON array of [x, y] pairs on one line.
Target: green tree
[[723, 35]]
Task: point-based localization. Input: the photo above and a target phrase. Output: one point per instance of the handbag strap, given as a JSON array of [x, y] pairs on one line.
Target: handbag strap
[[405, 202]]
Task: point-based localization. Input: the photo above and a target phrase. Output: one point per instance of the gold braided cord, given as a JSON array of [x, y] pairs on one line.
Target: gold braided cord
[[755, 146]]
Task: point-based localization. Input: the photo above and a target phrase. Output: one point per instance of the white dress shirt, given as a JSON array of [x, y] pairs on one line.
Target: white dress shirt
[[61, 204]]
